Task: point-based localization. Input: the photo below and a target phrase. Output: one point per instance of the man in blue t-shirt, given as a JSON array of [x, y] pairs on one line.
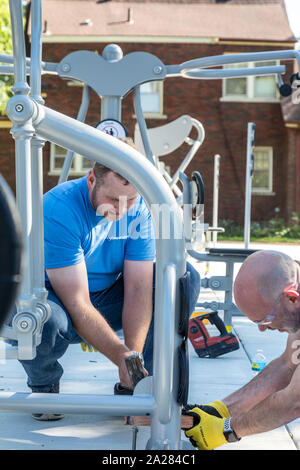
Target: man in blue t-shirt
[[99, 260]]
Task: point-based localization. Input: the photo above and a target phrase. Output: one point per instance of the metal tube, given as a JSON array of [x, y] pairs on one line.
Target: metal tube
[[232, 73], [142, 124], [9, 70], [197, 143], [9, 59], [24, 203], [94, 145], [85, 100], [36, 49], [76, 404], [166, 419], [47, 67], [168, 178], [37, 233], [228, 307], [111, 107], [165, 321], [249, 171], [215, 61], [216, 196], [16, 16]]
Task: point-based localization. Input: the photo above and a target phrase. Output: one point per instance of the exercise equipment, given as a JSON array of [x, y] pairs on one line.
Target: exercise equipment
[[164, 140], [162, 395]]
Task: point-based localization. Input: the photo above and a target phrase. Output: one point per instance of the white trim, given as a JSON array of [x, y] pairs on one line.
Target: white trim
[[60, 38], [135, 39], [265, 191], [152, 116], [245, 99]]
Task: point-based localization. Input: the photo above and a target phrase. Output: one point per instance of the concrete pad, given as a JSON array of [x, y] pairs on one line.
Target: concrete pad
[[92, 373]]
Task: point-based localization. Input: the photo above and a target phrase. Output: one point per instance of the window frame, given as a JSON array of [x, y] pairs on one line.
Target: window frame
[[256, 191], [158, 114], [78, 169], [250, 87]]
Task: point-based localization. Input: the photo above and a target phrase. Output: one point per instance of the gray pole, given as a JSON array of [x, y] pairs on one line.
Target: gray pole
[[111, 105], [216, 196], [249, 171], [85, 100], [37, 144], [22, 132]]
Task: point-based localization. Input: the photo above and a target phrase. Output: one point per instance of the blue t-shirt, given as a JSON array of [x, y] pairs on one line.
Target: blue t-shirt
[[75, 232]]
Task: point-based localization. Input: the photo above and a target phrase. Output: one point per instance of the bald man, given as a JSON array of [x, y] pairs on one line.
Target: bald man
[[266, 290]]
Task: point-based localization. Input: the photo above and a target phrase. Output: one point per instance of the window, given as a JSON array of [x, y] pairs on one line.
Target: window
[[80, 165], [252, 88], [152, 97], [262, 178]]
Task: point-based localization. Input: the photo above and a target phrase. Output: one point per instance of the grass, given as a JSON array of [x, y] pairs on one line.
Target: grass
[[260, 239], [272, 231]]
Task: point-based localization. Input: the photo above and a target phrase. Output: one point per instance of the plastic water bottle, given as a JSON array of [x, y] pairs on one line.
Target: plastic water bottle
[[259, 361]]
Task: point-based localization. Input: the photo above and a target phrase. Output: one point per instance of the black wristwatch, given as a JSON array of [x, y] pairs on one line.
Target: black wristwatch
[[229, 433]]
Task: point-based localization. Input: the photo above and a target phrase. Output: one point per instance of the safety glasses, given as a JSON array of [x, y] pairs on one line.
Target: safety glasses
[[291, 293]]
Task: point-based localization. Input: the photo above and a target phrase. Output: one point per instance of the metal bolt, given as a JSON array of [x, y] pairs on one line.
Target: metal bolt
[[66, 68], [215, 284], [24, 324], [19, 108], [157, 69]]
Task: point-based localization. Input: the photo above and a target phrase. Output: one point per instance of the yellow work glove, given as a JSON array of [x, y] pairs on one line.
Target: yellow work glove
[[207, 432], [216, 408], [86, 346]]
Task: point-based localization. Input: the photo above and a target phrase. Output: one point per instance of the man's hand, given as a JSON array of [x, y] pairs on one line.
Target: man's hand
[[123, 372], [207, 432], [216, 408]]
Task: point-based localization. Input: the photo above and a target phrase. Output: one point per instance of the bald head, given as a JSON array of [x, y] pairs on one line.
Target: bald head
[[261, 279]]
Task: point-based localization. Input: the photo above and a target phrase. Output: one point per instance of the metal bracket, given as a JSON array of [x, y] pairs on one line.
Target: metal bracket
[[222, 283], [134, 68]]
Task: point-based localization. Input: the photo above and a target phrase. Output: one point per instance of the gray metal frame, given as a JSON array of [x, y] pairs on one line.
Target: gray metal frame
[[248, 184], [33, 124]]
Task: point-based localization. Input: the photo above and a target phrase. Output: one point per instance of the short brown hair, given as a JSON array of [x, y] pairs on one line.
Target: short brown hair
[[101, 170]]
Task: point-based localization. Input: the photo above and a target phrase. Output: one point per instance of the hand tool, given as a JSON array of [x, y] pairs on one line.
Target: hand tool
[[206, 345]]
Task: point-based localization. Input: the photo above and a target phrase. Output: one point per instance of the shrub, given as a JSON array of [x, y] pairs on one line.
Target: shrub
[[273, 228]]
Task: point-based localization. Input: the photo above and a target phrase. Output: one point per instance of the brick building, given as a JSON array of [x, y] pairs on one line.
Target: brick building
[[176, 31]]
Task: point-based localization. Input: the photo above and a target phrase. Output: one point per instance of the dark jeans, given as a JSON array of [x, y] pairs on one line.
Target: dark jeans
[[58, 332]]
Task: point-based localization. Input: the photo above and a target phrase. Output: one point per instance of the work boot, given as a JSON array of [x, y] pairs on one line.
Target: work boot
[[49, 416], [119, 389]]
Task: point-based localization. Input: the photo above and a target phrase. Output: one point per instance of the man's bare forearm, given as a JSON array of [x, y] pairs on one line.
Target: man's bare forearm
[[93, 327], [137, 314], [275, 376], [276, 410]]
